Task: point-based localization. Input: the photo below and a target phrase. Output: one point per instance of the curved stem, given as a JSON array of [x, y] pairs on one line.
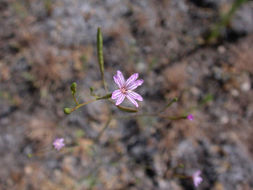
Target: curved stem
[[180, 176], [123, 108], [153, 115], [169, 104], [104, 128], [75, 100], [81, 105], [85, 103]]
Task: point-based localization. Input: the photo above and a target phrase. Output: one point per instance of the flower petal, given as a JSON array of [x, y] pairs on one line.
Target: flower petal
[[135, 84], [58, 143], [197, 173], [116, 94], [116, 80], [197, 179], [132, 78], [121, 78], [135, 95], [129, 97], [120, 99]]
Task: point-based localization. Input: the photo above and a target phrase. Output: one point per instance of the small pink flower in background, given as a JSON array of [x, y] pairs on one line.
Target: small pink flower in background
[[190, 117], [197, 179], [58, 143], [126, 88]]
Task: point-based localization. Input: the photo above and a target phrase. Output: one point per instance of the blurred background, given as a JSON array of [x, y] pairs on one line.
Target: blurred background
[[198, 50]]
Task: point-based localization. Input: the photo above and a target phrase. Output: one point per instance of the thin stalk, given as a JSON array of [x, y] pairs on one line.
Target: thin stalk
[[152, 115], [85, 103], [224, 21], [75, 100], [123, 108], [101, 57], [104, 128], [180, 176], [81, 105], [169, 104]]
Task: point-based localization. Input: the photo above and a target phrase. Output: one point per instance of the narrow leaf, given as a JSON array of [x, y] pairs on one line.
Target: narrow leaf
[[126, 109], [100, 52]]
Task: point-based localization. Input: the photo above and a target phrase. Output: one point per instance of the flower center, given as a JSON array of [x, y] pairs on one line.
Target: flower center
[[123, 90]]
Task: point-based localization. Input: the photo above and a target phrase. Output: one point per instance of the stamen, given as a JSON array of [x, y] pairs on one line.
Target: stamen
[[123, 90]]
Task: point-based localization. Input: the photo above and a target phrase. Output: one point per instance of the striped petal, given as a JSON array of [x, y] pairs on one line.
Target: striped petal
[[132, 78], [120, 99], [135, 84], [120, 78], [135, 95], [116, 94], [132, 100], [116, 80]]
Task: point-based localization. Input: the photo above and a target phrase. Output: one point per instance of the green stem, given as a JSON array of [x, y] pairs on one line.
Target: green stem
[[177, 117], [85, 103], [81, 105], [180, 176], [169, 104], [126, 109], [104, 128], [153, 115], [215, 31], [75, 100], [101, 56]]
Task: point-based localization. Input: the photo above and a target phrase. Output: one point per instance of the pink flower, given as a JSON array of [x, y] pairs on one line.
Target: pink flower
[[197, 179], [190, 117], [58, 143], [126, 88]]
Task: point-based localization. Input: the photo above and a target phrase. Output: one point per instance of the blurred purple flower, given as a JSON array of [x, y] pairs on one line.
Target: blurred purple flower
[[126, 88], [197, 179], [190, 117], [58, 143]]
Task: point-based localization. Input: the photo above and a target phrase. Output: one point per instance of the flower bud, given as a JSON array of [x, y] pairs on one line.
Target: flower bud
[[73, 87], [67, 110]]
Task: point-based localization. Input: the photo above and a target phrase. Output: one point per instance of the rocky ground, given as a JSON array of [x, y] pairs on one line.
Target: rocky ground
[[45, 45]]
